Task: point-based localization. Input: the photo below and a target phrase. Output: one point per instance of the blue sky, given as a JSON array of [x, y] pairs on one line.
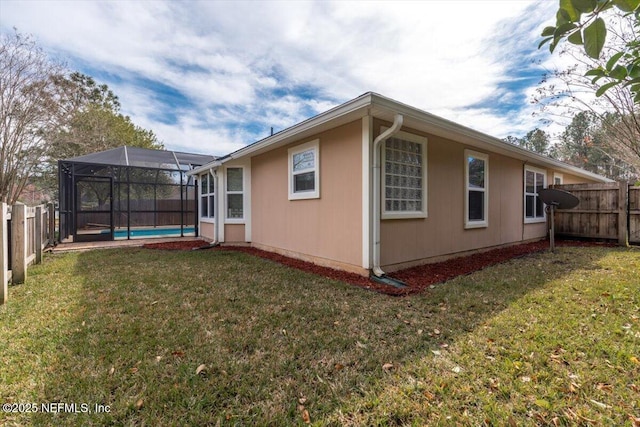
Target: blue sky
[[213, 76]]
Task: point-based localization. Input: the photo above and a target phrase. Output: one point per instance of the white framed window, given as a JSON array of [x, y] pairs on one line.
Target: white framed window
[[476, 204], [207, 196], [235, 193], [534, 181], [404, 182], [558, 178], [304, 171]]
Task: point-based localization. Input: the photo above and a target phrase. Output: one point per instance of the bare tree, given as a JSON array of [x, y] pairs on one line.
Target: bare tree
[[565, 93], [28, 110]]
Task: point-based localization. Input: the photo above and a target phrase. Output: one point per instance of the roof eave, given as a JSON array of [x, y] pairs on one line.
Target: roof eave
[[444, 127], [384, 108]]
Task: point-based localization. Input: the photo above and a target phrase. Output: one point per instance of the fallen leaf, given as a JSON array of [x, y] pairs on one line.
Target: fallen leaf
[[112, 370], [339, 366], [604, 387], [635, 360], [177, 353], [139, 403], [201, 368], [456, 369], [428, 395], [133, 370], [302, 400], [600, 404], [420, 331], [634, 420], [436, 352], [387, 366], [436, 331], [305, 417]]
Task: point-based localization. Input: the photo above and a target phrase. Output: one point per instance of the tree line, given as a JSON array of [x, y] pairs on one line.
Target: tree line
[[589, 142], [599, 91], [48, 112]]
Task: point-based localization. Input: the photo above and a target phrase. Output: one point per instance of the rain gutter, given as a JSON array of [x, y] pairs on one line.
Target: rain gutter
[[395, 127]]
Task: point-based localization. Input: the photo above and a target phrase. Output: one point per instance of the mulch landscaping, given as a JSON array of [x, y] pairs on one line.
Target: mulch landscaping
[[417, 278]]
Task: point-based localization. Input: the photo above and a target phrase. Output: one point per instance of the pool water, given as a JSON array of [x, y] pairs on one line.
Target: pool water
[[152, 232]]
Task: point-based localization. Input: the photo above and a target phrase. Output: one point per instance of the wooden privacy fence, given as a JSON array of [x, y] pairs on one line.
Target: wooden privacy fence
[[24, 233], [608, 211]]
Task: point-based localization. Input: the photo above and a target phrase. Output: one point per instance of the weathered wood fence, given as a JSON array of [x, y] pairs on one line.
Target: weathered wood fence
[[24, 233], [606, 211]]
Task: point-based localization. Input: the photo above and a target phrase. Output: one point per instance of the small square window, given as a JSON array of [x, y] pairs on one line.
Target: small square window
[[304, 171]]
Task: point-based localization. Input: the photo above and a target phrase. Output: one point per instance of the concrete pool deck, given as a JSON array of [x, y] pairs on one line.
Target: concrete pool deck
[[109, 244]]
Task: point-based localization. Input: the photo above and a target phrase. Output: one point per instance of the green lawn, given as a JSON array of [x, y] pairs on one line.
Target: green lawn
[[222, 338]]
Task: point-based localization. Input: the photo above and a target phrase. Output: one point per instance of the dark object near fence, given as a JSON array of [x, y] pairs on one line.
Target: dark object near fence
[[556, 199]]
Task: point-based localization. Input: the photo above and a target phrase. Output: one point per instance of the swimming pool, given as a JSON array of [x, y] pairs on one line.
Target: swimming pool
[[142, 233]]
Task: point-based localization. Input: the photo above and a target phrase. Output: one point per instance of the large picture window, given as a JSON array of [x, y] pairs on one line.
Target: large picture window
[[534, 181], [477, 189], [235, 193], [207, 196], [304, 171], [404, 160]]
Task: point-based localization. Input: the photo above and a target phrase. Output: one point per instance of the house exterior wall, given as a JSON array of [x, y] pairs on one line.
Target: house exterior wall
[[207, 230], [326, 230], [234, 233], [407, 242]]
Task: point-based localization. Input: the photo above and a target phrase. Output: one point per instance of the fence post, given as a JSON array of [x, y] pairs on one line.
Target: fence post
[[19, 243], [52, 224], [38, 236], [4, 254], [623, 226]]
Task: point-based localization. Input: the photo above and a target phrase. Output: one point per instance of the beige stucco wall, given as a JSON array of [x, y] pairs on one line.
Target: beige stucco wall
[[328, 228], [442, 233], [234, 233], [207, 230]]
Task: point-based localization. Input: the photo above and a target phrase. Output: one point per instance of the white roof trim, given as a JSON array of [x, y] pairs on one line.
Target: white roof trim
[[385, 108]]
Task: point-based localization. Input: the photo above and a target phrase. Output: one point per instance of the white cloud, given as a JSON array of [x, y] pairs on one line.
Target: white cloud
[[246, 66]]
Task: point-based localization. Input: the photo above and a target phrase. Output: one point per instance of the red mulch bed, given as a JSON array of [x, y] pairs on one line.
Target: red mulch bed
[[417, 278]]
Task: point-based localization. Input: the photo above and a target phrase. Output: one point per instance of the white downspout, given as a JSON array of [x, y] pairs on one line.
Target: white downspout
[[216, 220], [395, 127]]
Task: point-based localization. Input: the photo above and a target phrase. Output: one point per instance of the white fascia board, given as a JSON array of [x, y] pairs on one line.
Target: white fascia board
[[431, 123], [353, 110], [204, 168], [385, 108]]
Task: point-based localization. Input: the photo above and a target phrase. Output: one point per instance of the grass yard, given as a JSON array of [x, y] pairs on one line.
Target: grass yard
[[199, 338]]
